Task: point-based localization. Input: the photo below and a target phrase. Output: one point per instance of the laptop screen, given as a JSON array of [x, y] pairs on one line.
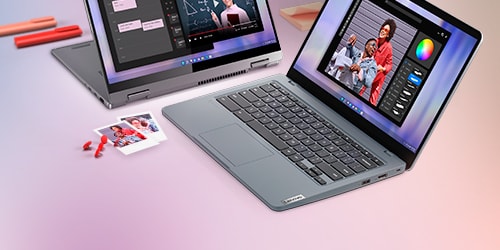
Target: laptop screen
[[399, 72], [165, 39]]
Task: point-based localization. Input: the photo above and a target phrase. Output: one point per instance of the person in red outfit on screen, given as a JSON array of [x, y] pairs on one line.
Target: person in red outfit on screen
[[383, 57]]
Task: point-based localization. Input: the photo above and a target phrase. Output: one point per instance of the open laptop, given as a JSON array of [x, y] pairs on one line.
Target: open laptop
[[143, 49], [306, 136]]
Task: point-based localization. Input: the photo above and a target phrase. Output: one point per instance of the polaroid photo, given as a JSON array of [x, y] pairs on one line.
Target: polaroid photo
[[146, 124], [126, 138]]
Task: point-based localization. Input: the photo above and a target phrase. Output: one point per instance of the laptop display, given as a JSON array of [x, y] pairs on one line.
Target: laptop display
[[149, 48], [429, 54], [175, 37]]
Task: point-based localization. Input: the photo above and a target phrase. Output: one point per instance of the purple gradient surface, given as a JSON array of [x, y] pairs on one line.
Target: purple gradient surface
[[54, 196]]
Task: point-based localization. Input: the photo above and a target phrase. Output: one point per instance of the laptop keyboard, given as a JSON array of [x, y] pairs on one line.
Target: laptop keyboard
[[315, 145]]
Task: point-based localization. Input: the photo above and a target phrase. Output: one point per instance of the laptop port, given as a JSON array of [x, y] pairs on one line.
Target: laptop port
[[382, 176], [365, 182]]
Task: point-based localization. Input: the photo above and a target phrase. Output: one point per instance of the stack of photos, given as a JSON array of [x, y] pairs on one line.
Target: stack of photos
[[133, 133]]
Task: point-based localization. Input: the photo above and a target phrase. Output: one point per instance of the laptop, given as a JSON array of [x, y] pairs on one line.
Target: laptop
[[143, 49], [305, 136]]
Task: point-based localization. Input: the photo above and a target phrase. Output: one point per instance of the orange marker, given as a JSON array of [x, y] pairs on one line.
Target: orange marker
[[33, 24], [48, 36]]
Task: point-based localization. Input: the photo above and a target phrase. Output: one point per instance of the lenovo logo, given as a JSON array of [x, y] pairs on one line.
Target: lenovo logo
[[293, 199]]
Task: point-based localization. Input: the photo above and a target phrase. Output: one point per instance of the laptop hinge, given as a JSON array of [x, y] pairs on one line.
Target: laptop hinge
[[260, 64], [138, 95]]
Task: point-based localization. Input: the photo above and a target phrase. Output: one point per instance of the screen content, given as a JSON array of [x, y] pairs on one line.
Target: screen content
[[143, 37], [391, 62]]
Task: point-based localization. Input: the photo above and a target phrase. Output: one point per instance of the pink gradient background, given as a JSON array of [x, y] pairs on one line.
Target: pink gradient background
[[54, 196]]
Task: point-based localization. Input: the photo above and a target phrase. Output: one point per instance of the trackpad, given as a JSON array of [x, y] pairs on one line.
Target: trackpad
[[236, 145]]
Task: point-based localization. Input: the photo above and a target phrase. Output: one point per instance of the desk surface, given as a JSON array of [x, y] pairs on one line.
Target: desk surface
[[174, 196]]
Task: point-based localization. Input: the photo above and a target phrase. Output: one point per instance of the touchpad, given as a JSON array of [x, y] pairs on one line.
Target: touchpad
[[236, 145]]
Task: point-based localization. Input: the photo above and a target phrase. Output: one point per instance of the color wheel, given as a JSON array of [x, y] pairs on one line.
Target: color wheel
[[425, 49]]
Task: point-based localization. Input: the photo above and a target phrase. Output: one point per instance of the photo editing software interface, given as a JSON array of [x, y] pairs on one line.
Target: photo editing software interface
[[393, 52], [177, 32]]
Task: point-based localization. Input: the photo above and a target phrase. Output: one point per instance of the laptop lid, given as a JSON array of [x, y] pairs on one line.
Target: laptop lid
[[430, 51], [148, 48]]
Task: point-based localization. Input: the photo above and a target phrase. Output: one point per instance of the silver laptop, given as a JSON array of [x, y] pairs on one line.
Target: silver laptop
[[356, 107], [143, 49]]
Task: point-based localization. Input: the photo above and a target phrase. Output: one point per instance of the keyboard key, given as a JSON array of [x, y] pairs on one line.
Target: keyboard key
[[367, 163], [244, 116], [293, 143], [267, 88], [266, 109], [343, 169], [332, 148], [249, 96], [322, 153], [329, 171], [347, 160], [258, 115], [315, 160], [311, 173], [377, 161], [357, 167], [272, 126], [272, 115], [320, 180], [347, 148], [330, 159], [279, 131], [285, 137], [307, 154], [302, 166], [275, 85], [265, 120], [324, 143], [288, 152], [259, 104], [339, 142], [300, 148], [296, 158], [251, 110], [317, 137], [258, 92], [238, 99], [339, 154], [316, 170], [230, 105]]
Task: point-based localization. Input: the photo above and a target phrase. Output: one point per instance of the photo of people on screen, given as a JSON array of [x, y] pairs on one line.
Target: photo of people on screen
[[232, 15], [340, 64], [383, 57], [355, 68], [364, 68], [380, 51], [389, 71]]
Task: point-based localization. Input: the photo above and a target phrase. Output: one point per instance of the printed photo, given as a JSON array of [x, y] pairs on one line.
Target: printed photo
[[126, 138], [146, 124]]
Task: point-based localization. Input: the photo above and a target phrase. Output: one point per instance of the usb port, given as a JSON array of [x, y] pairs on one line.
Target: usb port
[[365, 182], [382, 176]]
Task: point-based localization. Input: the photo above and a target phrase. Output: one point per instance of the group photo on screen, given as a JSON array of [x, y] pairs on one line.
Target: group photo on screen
[[365, 59]]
